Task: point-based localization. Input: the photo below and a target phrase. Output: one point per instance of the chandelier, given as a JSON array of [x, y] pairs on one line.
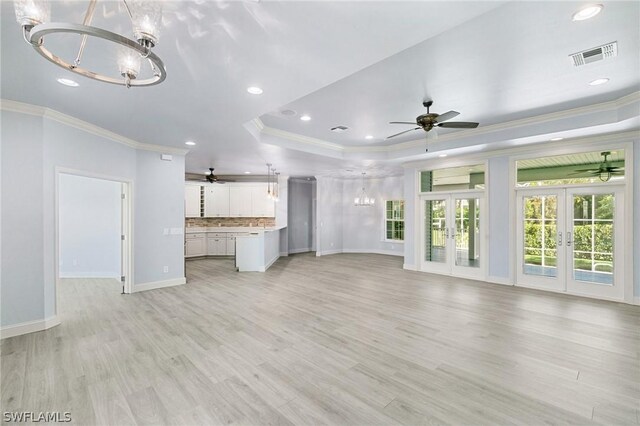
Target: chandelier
[[362, 199], [145, 15]]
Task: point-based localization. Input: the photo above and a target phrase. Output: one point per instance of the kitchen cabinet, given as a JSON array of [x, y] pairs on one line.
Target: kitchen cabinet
[[231, 245], [216, 201], [240, 201], [261, 205], [195, 245], [217, 245], [192, 202]]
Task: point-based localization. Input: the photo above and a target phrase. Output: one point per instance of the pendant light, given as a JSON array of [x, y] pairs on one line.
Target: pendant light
[[362, 199], [276, 186], [269, 196]]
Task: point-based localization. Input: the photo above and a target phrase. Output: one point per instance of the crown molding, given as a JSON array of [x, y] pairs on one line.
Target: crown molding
[[598, 141], [535, 120], [51, 114]]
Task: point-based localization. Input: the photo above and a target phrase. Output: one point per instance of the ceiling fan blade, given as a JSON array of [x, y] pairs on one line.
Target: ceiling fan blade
[[589, 170], [413, 123], [398, 134], [459, 125], [447, 116]]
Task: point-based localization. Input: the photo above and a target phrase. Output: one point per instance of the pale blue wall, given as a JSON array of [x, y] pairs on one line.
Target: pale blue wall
[[500, 188], [636, 217]]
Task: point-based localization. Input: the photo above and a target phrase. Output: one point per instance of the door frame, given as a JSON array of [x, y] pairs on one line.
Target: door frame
[[449, 267], [577, 147], [127, 226]]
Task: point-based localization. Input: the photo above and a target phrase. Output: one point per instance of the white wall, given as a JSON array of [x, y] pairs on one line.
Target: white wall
[[33, 146], [89, 227], [343, 227], [329, 215], [363, 227], [22, 266], [636, 219], [500, 188], [300, 215]]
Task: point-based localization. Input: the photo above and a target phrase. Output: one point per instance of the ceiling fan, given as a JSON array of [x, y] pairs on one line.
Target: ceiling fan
[[212, 178], [430, 120], [604, 171]]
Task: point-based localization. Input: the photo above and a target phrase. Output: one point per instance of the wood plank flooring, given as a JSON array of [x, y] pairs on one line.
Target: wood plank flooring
[[344, 339]]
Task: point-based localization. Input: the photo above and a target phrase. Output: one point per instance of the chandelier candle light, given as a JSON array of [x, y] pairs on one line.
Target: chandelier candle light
[[362, 199], [145, 15]]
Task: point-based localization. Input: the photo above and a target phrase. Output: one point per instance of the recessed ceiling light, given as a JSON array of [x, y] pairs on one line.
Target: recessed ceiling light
[[442, 155], [587, 12], [599, 81], [247, 173], [556, 139], [305, 117], [254, 90], [68, 82], [190, 143], [368, 137]]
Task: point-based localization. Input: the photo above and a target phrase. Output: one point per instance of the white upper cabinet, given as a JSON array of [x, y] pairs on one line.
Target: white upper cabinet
[[216, 201], [261, 205], [192, 200], [240, 201]]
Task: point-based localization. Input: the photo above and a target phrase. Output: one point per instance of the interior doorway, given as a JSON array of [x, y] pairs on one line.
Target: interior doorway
[[93, 229], [301, 215]]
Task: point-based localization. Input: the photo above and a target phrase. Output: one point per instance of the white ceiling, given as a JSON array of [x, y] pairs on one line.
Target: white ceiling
[[359, 64]]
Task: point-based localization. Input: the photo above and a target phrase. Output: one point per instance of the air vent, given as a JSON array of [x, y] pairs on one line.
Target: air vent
[[339, 129], [596, 54]]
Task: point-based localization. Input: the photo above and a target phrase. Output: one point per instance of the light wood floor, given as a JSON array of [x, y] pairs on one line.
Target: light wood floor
[[344, 339]]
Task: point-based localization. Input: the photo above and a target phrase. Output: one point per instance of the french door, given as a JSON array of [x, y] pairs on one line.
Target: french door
[[451, 234], [570, 240]]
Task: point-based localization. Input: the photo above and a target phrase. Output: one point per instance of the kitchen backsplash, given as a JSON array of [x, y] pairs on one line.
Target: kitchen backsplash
[[208, 222]]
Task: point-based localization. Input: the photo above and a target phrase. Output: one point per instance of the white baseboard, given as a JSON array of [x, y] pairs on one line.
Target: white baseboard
[[284, 254], [498, 280], [362, 251], [409, 267], [327, 252], [367, 251], [90, 275], [268, 265], [302, 250], [158, 284], [29, 327], [636, 300]]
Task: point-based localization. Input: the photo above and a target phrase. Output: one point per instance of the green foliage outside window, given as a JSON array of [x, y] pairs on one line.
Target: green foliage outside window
[[394, 220]]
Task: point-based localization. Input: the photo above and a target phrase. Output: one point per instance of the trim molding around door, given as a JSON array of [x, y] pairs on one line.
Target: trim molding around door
[[159, 284], [128, 231]]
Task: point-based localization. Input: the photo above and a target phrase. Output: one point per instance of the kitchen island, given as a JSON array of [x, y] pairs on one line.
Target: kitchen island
[[255, 248]]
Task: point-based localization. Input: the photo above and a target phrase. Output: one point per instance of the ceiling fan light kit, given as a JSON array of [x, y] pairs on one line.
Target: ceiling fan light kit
[[605, 170], [145, 15]]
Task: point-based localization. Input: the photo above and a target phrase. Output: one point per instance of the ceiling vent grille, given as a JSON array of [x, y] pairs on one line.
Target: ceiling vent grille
[[606, 51]]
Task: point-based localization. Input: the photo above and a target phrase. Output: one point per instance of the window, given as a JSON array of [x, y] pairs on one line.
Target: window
[[394, 220]]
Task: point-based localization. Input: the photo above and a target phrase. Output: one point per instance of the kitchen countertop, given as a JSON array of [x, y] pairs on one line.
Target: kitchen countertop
[[199, 230]]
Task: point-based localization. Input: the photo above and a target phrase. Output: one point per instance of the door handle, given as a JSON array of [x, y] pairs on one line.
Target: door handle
[[559, 238], [453, 233], [446, 232], [568, 238]]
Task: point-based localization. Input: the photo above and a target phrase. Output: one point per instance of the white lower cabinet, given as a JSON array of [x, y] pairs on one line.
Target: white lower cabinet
[[216, 246], [231, 245], [195, 245]]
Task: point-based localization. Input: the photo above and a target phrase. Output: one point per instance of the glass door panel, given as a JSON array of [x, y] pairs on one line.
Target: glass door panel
[[436, 231], [594, 242], [539, 236], [467, 232], [539, 239]]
